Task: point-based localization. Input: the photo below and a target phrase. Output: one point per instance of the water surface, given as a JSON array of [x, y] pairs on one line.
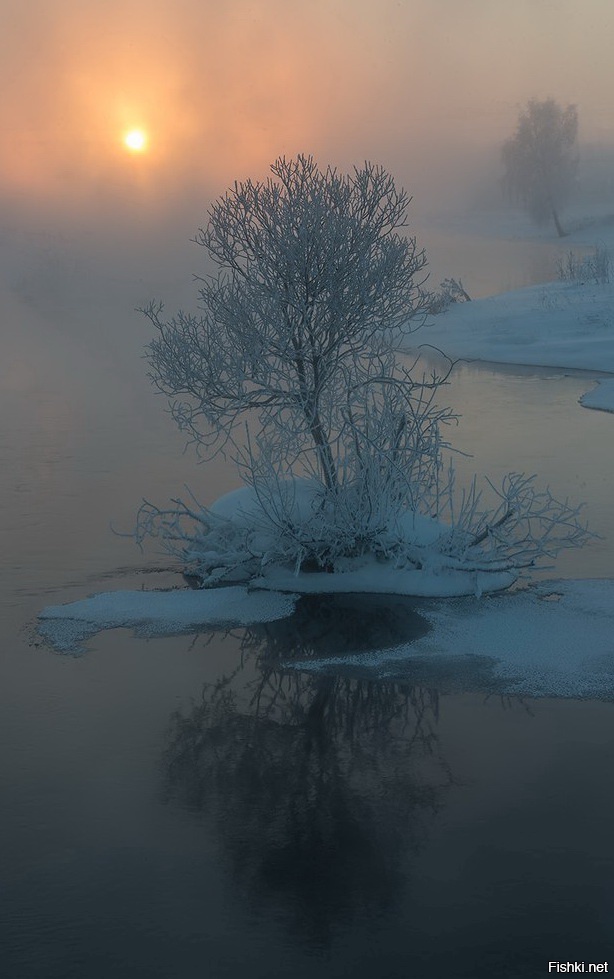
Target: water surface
[[184, 806]]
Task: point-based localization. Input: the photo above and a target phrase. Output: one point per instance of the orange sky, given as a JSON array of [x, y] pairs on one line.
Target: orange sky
[[223, 88]]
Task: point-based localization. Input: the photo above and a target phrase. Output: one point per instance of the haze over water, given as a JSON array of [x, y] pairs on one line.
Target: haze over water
[[428, 88]]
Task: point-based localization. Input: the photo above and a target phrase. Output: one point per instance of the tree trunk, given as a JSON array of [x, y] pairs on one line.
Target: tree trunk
[[324, 452], [559, 227], [312, 417]]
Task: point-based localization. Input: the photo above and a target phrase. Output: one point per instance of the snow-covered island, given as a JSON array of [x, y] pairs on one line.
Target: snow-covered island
[[347, 483]]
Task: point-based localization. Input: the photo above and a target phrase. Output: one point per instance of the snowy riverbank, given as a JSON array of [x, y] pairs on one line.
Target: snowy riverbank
[[558, 324]]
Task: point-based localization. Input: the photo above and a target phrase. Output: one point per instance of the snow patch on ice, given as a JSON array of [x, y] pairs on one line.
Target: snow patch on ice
[[555, 639], [528, 643], [601, 398], [156, 613]]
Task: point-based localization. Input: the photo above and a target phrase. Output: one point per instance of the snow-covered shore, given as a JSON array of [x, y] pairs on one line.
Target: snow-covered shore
[[558, 324]]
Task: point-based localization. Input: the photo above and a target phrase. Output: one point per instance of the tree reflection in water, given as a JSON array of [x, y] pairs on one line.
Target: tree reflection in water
[[319, 786]]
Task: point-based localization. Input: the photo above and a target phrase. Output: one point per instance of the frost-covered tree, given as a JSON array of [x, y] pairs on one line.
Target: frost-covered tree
[[290, 367], [313, 280], [540, 159]]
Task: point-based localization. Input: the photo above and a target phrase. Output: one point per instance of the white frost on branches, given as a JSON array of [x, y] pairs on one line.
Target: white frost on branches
[[290, 367], [296, 528], [314, 281]]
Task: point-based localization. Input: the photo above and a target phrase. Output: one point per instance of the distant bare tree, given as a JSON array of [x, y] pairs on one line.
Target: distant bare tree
[[540, 159]]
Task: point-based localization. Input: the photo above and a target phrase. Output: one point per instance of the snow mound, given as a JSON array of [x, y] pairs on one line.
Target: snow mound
[[373, 579], [242, 506], [158, 613], [363, 573]]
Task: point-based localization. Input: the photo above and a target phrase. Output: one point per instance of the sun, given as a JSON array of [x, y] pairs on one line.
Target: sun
[[135, 140]]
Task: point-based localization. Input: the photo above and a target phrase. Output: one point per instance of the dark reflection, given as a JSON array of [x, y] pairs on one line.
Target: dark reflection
[[335, 629], [336, 625], [321, 786]]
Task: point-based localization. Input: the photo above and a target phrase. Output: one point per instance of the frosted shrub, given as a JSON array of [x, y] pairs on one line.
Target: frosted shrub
[[596, 267], [450, 291], [300, 528]]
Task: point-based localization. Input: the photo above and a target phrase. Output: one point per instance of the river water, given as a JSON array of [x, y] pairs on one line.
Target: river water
[[180, 807]]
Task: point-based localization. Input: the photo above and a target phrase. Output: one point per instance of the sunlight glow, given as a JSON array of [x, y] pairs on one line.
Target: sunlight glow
[[135, 140]]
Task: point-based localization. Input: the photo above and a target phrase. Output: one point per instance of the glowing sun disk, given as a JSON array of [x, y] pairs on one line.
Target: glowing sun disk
[[135, 140]]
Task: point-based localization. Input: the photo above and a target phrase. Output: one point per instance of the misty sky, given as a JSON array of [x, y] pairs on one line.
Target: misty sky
[[224, 87], [428, 88]]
